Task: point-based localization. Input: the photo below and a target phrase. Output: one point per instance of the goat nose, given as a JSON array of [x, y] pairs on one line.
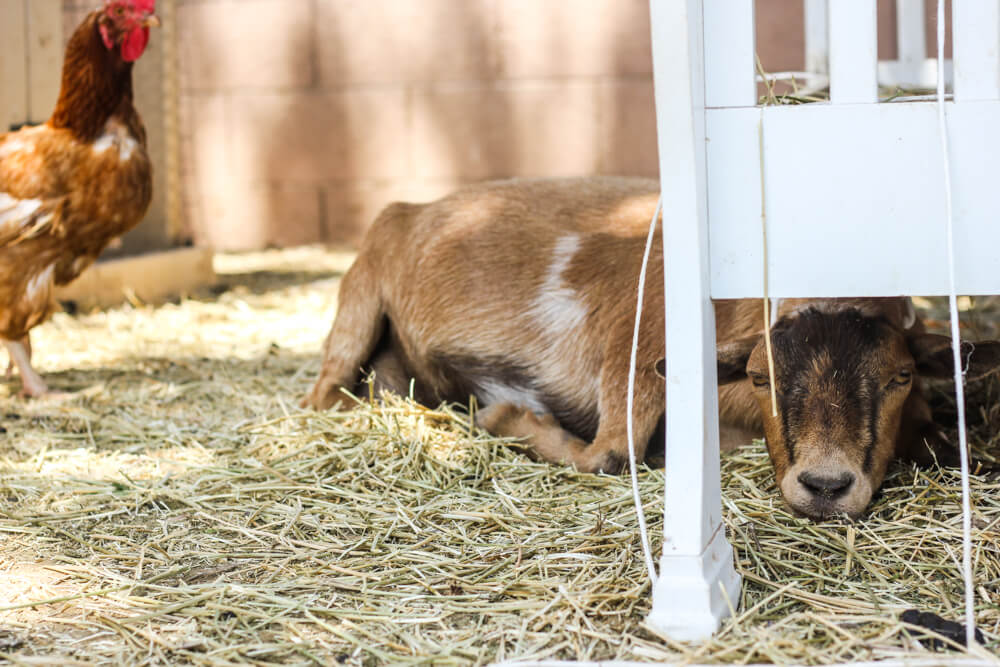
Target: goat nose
[[827, 486]]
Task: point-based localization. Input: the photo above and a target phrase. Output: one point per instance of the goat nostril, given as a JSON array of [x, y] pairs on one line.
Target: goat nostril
[[827, 486]]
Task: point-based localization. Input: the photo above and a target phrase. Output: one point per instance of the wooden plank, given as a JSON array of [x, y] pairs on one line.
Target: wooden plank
[[45, 53], [911, 68], [13, 66], [149, 278], [817, 37], [696, 568], [853, 52], [976, 39], [855, 201], [922, 74], [911, 32], [734, 195], [680, 109], [730, 71]]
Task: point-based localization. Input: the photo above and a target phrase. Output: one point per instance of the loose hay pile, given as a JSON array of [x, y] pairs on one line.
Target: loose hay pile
[[181, 509]]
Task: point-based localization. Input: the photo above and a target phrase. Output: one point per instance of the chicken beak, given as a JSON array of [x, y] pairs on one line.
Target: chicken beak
[[151, 21]]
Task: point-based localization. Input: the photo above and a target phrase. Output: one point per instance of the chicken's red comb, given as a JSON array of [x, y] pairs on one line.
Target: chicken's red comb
[[142, 5]]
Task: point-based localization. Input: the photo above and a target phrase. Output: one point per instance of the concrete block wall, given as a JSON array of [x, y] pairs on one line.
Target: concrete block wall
[[303, 118], [306, 117]]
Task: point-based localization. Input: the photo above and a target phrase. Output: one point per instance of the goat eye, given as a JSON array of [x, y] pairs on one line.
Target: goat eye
[[903, 377], [760, 381]]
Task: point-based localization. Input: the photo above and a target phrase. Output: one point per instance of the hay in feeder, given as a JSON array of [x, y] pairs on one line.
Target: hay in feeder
[[180, 509]]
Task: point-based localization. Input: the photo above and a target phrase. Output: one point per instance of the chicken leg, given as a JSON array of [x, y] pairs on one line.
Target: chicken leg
[[26, 341], [20, 355]]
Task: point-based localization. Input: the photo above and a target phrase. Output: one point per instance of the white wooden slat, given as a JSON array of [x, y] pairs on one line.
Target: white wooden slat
[[855, 202], [853, 52], [733, 150], [817, 42], [912, 75], [13, 67], [696, 567], [730, 72], [911, 32], [680, 112], [911, 68], [976, 48], [45, 52]]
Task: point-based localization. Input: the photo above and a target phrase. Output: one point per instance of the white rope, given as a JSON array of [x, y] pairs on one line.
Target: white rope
[[647, 551], [963, 451]]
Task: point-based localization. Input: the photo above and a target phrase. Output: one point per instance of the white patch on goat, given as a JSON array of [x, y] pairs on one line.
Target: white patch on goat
[[16, 212], [39, 282], [492, 392], [558, 307]]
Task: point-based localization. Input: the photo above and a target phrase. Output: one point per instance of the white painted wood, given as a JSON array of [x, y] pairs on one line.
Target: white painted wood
[[853, 52], [44, 54], [13, 67], [696, 564], [733, 150], [911, 32], [912, 75], [680, 132], [817, 41], [976, 49], [854, 200], [730, 70], [912, 67]]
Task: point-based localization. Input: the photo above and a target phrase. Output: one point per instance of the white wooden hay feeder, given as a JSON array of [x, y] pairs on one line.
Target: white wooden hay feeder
[[855, 206]]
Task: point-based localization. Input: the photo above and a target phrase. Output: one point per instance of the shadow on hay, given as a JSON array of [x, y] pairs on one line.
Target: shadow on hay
[[266, 281], [147, 403]]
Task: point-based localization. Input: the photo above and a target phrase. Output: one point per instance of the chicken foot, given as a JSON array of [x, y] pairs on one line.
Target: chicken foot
[[20, 356]]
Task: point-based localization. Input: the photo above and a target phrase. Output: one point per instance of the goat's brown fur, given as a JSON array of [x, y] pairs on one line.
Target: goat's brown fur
[[522, 293]]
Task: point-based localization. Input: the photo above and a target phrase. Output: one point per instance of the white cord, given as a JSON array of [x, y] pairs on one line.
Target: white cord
[[970, 637], [630, 399]]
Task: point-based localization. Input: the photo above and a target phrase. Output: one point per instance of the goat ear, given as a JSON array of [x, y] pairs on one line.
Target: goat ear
[[934, 357], [731, 358]]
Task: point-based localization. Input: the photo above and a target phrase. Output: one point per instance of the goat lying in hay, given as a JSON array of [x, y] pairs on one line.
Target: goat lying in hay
[[522, 294]]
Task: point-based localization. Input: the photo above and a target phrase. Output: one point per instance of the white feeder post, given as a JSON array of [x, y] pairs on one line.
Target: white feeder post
[[696, 568], [976, 46], [855, 156], [853, 52], [816, 38], [911, 39]]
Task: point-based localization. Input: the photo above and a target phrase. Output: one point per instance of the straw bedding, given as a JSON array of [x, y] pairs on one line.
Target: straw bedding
[[180, 508]]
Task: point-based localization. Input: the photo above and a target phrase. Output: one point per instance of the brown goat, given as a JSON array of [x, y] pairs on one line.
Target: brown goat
[[522, 293]]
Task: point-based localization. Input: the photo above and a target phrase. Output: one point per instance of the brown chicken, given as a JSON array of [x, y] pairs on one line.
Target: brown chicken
[[70, 187]]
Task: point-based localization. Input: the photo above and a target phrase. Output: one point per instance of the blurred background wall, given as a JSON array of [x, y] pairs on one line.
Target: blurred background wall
[[301, 119]]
